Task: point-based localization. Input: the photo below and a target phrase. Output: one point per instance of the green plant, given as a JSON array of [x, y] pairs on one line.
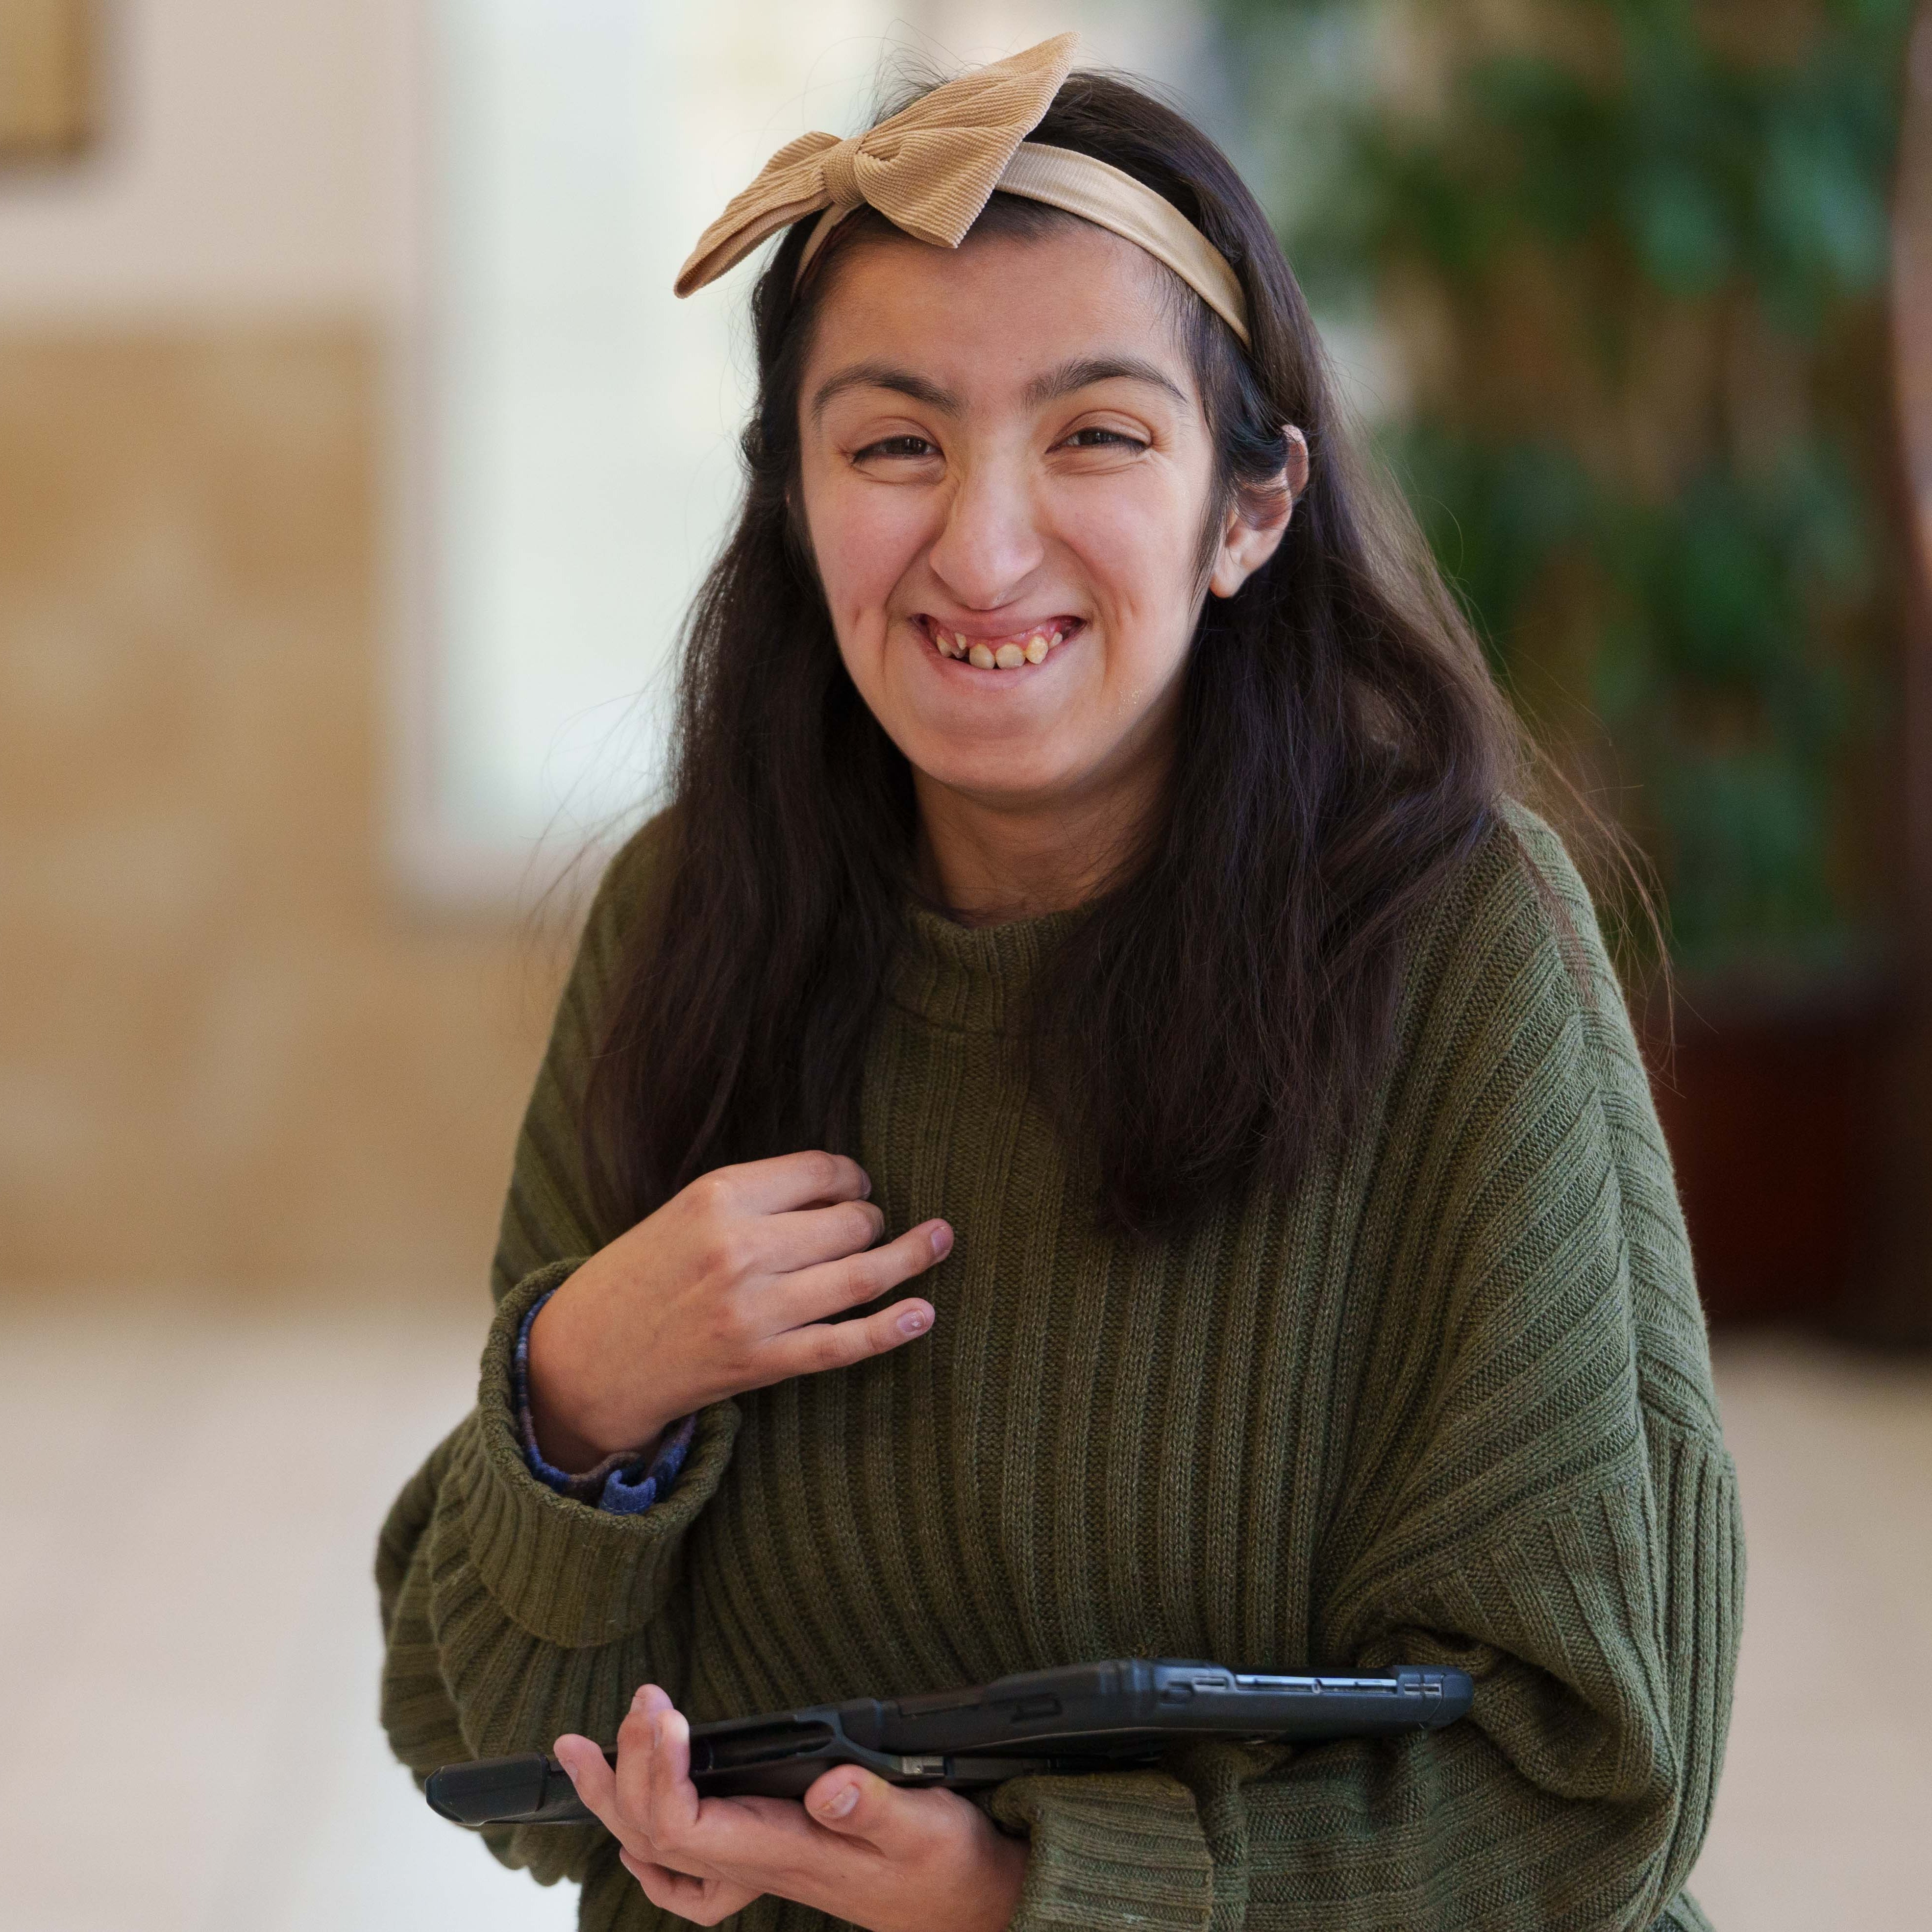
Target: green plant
[[1633, 255]]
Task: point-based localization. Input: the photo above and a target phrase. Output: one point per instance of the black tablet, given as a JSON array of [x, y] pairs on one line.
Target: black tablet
[[1079, 1717]]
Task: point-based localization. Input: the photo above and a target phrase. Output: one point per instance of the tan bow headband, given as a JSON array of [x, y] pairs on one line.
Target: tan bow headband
[[930, 170]]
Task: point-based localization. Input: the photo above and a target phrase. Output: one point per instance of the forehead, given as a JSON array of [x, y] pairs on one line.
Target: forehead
[[986, 319]]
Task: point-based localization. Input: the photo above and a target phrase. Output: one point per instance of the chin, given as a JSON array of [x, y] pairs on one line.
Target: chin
[[995, 775]]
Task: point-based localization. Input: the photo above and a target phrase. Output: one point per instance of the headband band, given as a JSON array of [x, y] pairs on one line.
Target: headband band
[[1098, 192], [932, 168]]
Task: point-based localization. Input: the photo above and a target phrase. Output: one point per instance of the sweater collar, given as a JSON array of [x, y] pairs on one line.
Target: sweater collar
[[974, 978]]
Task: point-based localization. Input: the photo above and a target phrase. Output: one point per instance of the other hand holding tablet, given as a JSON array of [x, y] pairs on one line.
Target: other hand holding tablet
[[887, 1858]]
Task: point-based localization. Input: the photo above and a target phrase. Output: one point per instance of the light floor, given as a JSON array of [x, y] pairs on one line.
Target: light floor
[[188, 1642]]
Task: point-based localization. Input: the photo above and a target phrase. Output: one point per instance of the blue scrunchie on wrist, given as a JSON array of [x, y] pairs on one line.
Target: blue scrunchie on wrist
[[624, 1482]]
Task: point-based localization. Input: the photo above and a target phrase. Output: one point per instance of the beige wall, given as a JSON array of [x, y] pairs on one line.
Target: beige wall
[[232, 1053], [253, 159], [228, 1054]]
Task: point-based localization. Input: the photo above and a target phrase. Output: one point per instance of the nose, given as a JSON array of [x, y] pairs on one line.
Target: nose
[[990, 545]]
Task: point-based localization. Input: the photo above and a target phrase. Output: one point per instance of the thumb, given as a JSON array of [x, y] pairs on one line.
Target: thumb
[[856, 1804]]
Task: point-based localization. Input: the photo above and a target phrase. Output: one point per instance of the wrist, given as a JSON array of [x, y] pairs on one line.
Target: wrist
[[571, 1434]]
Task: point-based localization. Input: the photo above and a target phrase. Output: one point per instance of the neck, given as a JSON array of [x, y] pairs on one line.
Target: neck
[[987, 860]]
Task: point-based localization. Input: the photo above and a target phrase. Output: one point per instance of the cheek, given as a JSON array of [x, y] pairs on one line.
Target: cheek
[[1139, 546], [865, 539]]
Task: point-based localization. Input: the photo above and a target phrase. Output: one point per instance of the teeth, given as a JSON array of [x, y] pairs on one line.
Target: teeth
[[1009, 654]]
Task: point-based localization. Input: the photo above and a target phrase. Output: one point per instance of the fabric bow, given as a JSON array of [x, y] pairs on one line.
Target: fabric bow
[[929, 170]]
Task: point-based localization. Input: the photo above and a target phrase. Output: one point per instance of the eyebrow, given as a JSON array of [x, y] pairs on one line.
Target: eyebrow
[[884, 376], [1083, 372]]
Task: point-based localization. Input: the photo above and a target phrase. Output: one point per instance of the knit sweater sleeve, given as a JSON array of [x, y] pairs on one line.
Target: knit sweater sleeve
[[1537, 1492], [511, 1613]]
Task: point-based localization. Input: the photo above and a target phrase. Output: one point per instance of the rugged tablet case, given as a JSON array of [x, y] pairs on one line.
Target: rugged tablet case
[[1079, 1718]]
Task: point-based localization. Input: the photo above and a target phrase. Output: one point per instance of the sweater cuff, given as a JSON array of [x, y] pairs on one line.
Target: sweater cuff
[[567, 1572], [1119, 1848]]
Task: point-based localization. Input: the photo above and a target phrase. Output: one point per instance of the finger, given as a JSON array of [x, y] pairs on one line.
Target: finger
[[674, 1891], [809, 1235], [673, 1814], [730, 1841], [786, 1181], [856, 1804], [825, 1345], [652, 1826], [703, 1901], [596, 1783], [832, 1287], [708, 1818]]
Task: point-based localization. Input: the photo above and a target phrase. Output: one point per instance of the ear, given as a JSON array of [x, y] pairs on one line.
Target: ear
[[1246, 545]]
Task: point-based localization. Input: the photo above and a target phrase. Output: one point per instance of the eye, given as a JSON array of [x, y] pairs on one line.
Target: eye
[[1104, 439], [914, 446]]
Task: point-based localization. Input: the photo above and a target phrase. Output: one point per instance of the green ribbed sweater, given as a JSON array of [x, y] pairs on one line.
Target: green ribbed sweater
[[1448, 1401]]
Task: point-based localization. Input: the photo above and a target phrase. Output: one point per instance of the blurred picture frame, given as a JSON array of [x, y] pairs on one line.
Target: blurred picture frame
[[47, 94]]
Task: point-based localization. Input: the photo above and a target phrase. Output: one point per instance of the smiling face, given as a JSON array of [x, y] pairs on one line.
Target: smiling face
[[1005, 471]]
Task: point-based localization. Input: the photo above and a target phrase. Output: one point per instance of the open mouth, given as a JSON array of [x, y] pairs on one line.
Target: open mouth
[[1012, 650]]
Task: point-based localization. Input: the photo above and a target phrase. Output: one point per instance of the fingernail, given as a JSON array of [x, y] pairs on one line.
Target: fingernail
[[570, 1769], [942, 1241], [913, 1321], [840, 1804], [638, 1697]]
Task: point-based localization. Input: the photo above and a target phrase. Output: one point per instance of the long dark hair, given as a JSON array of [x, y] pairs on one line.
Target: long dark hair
[[1341, 749]]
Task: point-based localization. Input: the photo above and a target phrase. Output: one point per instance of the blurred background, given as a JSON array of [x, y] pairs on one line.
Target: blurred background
[[356, 465]]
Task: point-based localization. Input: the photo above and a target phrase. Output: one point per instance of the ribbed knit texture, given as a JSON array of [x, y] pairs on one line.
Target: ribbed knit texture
[[1448, 1401]]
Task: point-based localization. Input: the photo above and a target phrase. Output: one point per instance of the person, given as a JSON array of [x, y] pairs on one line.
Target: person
[[1095, 1123]]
